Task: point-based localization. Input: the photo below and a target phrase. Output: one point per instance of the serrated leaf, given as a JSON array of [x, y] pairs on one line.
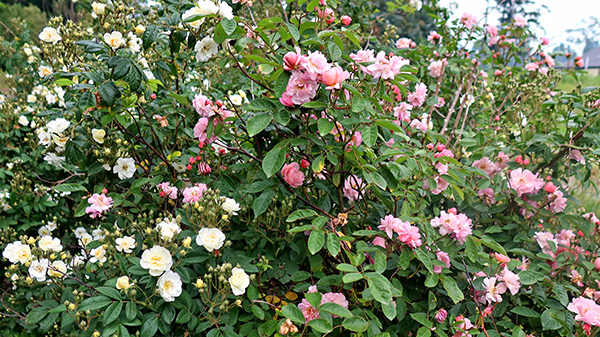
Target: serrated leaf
[[324, 126], [316, 241], [262, 202], [110, 292], [335, 309], [529, 277], [69, 188], [452, 289], [320, 325], [352, 277], [112, 313], [300, 214], [229, 26], [94, 303], [356, 324], [333, 244], [273, 161], [381, 288], [292, 312]]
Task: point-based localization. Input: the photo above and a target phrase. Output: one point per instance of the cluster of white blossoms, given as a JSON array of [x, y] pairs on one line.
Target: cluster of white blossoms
[[51, 95], [206, 7], [30, 51], [54, 133], [115, 40], [124, 168], [168, 228], [4, 200], [98, 9]]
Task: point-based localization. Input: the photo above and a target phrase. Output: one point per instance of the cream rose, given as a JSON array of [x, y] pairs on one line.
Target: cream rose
[[125, 244], [48, 243], [210, 238], [57, 269], [239, 281], [157, 259], [169, 286], [168, 229], [123, 283], [98, 255], [17, 252], [98, 135]]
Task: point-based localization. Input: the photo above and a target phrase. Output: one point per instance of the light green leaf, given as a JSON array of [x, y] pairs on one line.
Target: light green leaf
[[316, 241], [258, 123]]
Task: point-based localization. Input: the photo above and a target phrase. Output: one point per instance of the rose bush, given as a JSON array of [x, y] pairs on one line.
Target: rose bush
[[195, 168]]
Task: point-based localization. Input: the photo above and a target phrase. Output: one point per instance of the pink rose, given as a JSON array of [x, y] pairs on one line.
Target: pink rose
[[346, 20], [292, 175]]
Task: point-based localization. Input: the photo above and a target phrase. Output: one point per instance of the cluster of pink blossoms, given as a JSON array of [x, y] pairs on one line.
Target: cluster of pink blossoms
[[492, 167], [441, 183], [469, 20], [525, 182], [456, 225], [405, 43], [194, 193], [311, 312], [562, 241], [99, 203], [353, 186], [463, 325], [166, 190], [381, 65], [436, 68], [497, 285], [586, 309], [407, 234], [207, 109], [307, 72]]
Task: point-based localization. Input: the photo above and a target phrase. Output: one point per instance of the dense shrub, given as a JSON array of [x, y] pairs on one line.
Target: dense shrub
[[196, 169]]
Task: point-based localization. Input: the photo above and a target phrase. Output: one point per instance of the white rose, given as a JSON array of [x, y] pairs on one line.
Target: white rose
[[60, 141], [98, 255], [57, 269], [58, 125], [169, 286], [157, 259], [85, 239], [205, 49], [98, 135], [98, 8], [125, 168], [125, 244], [44, 71], [44, 138], [17, 252], [230, 206], [38, 269], [239, 281], [50, 35], [123, 283], [23, 120], [225, 11], [79, 231], [48, 243], [168, 229], [210, 238], [114, 39]]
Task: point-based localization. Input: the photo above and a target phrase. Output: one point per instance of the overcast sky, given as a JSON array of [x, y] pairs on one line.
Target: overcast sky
[[559, 16]]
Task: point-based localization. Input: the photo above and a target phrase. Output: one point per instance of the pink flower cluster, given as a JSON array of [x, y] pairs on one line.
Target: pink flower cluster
[[167, 190], [407, 234], [525, 182], [463, 325], [436, 68], [382, 66], [457, 226], [307, 72], [417, 97], [99, 203], [405, 43], [194, 193], [586, 309], [492, 167], [353, 186], [469, 20], [557, 201], [311, 312], [207, 110], [292, 175], [561, 240], [444, 258]]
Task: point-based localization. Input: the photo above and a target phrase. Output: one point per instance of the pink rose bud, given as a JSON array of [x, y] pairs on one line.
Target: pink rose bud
[[430, 146], [497, 118], [526, 162], [550, 188], [597, 264], [304, 163], [104, 191], [346, 20], [519, 159], [452, 210], [441, 315], [192, 160], [153, 96], [502, 258], [189, 167], [440, 147], [198, 158]]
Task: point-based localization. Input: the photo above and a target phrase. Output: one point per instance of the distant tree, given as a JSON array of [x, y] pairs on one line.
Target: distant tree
[[35, 19], [509, 8]]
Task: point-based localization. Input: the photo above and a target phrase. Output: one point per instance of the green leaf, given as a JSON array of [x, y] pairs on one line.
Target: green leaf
[[324, 126], [314, 299], [69, 188], [422, 318], [112, 313], [381, 288], [529, 277], [131, 310], [109, 92], [320, 325], [258, 123], [380, 262], [149, 327], [561, 294], [369, 135], [317, 105], [424, 332], [548, 319], [292, 312], [80, 210], [261, 204], [452, 289], [471, 249], [273, 161], [87, 100], [389, 125], [60, 308], [346, 267], [526, 312], [425, 259], [389, 310], [293, 31], [301, 214], [150, 35], [110, 292], [493, 244], [333, 244], [94, 303], [352, 277], [36, 315], [229, 26], [356, 324], [258, 312], [316, 241], [335, 309]]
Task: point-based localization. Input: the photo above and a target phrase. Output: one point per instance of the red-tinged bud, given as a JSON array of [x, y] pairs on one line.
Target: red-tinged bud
[[540, 226], [201, 144], [440, 147], [222, 151], [452, 210], [430, 146], [550, 188], [346, 20], [519, 159], [369, 228], [568, 55], [494, 56], [587, 329], [503, 37], [597, 264], [287, 156], [104, 191], [580, 233], [198, 158], [192, 160], [219, 103], [163, 194], [548, 178], [510, 73], [526, 162], [189, 167], [497, 118], [304, 163], [153, 96]]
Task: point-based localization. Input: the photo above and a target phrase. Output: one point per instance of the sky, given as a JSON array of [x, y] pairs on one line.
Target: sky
[[559, 16]]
